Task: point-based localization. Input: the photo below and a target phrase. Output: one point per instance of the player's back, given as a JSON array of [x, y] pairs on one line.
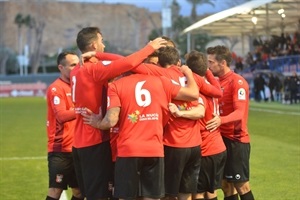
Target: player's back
[[144, 111]]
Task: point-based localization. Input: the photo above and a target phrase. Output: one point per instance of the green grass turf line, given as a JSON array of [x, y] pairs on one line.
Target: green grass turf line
[[275, 150]]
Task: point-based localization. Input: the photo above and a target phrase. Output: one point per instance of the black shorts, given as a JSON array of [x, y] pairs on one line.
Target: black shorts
[[139, 177], [94, 170], [211, 172], [182, 166], [237, 162], [61, 170]]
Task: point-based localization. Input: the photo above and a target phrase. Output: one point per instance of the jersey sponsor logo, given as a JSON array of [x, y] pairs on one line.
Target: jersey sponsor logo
[[68, 94], [59, 178], [56, 100], [149, 117], [183, 106], [133, 117], [136, 116], [241, 94]]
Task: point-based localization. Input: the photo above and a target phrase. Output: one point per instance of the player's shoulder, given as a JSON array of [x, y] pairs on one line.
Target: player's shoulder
[[238, 79]]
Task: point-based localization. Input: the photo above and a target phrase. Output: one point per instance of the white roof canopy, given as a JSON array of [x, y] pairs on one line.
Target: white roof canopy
[[238, 20]]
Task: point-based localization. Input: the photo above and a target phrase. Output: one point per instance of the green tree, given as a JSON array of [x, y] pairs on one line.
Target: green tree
[[19, 21], [196, 3], [8, 61]]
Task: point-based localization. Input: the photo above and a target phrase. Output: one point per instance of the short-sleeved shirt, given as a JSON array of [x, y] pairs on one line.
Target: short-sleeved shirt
[[212, 142], [143, 100], [235, 95], [60, 117], [179, 132], [89, 85]]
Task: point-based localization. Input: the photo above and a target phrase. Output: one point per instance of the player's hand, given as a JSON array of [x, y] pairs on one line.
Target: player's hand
[[91, 118], [174, 110], [158, 43], [214, 123], [85, 56], [185, 70]]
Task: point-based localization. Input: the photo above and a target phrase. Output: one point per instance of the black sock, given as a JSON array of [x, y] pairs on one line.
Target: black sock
[[75, 198], [50, 198], [247, 196], [232, 197]]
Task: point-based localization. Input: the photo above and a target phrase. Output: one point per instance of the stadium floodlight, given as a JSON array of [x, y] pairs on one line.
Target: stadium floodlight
[[280, 11], [254, 20]]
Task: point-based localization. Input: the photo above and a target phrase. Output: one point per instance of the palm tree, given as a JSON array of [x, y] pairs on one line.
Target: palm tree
[[30, 23], [195, 3], [19, 20]]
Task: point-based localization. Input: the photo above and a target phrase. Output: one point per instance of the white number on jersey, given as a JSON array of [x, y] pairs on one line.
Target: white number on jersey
[[73, 88], [142, 96]]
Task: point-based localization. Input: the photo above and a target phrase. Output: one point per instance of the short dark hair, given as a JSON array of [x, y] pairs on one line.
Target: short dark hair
[[62, 57], [169, 40], [154, 54], [168, 56], [197, 62], [221, 53], [86, 36]]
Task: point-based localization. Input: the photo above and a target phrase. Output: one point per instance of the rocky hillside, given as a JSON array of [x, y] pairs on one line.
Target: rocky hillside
[[126, 27]]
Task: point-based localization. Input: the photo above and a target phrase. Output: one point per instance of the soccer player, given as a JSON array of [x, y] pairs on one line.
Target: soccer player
[[233, 124], [139, 103], [60, 130], [182, 137], [213, 149], [89, 82]]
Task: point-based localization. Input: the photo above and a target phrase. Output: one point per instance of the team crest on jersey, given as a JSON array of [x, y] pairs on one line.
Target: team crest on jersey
[[241, 94], [240, 82], [56, 100], [53, 89], [59, 178]]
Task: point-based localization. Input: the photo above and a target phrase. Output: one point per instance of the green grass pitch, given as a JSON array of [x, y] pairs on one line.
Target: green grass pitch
[[275, 150]]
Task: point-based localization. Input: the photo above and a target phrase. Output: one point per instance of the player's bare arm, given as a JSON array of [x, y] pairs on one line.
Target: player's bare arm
[[95, 120], [110, 120], [191, 91], [194, 113]]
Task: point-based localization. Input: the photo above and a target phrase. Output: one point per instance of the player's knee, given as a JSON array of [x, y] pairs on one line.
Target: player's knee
[[228, 188], [54, 193], [76, 194], [242, 188]]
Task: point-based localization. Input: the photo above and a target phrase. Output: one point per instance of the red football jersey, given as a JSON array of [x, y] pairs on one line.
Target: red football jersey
[[212, 142], [181, 132], [60, 117], [89, 87], [234, 107], [143, 100]]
